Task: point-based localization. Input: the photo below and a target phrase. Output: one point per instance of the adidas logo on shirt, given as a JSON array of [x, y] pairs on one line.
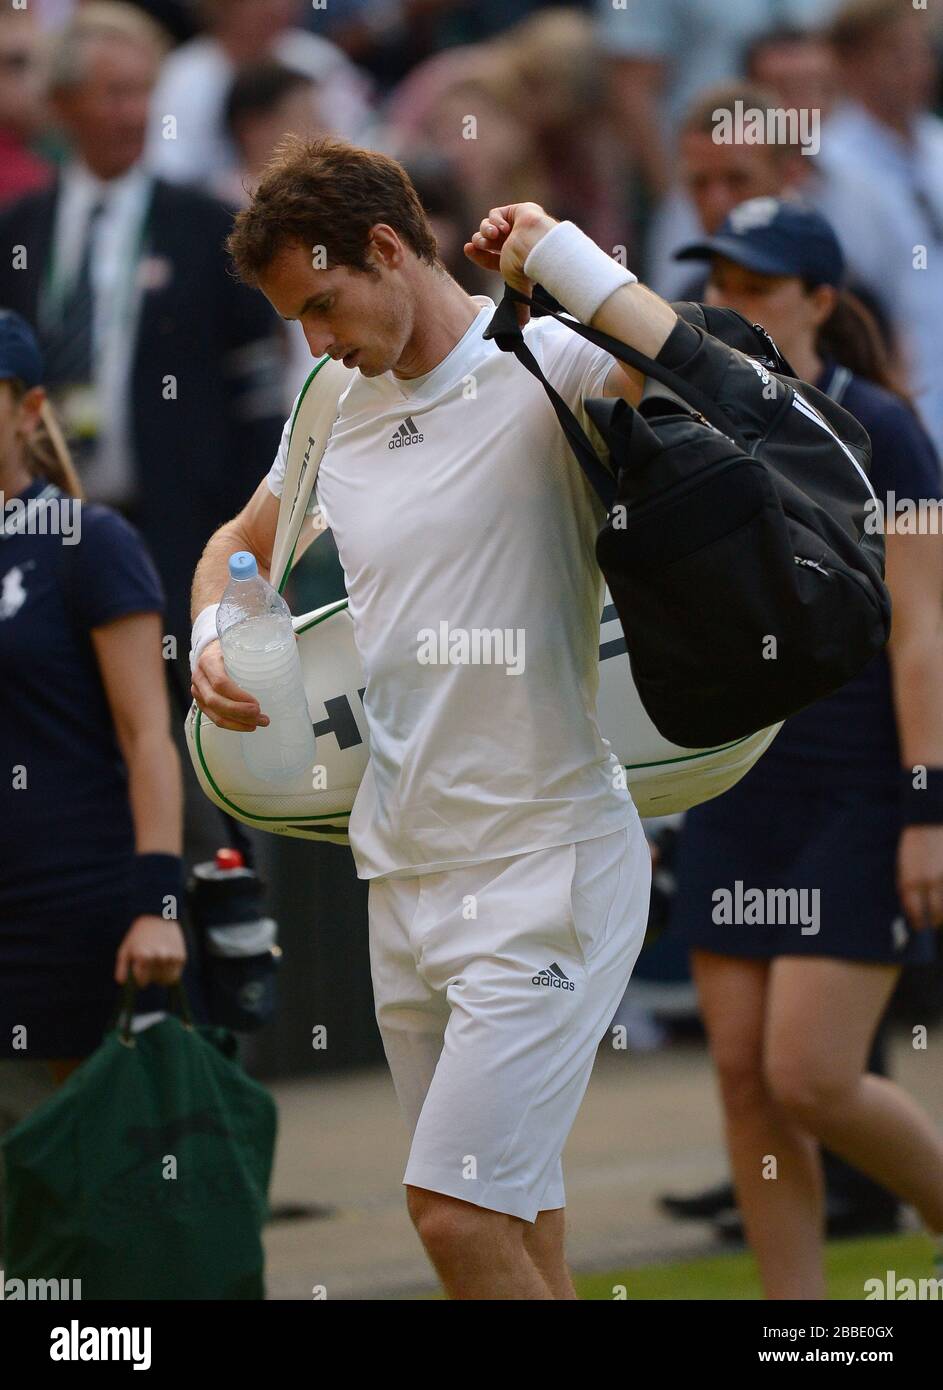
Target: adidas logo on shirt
[[406, 434], [553, 978]]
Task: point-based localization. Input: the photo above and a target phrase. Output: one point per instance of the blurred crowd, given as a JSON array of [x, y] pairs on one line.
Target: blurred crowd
[[120, 122], [601, 113]]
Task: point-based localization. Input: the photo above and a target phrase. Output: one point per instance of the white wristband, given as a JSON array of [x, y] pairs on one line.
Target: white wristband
[[575, 270], [204, 632]]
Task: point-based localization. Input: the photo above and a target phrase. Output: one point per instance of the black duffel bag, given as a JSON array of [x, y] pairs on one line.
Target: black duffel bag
[[738, 549]]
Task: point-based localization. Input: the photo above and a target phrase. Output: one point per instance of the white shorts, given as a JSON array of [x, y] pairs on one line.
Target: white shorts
[[493, 986]]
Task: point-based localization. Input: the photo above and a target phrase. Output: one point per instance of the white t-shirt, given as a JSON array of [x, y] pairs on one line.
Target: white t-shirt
[[466, 531]]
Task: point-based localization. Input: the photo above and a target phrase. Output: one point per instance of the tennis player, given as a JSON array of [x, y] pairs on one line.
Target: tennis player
[[509, 875]]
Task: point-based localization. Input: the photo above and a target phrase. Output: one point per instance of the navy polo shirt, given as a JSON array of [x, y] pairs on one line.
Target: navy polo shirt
[[68, 833], [854, 731]]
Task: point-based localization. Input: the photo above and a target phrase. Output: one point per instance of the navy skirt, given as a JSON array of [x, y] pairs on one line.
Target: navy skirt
[[57, 981], [774, 867]]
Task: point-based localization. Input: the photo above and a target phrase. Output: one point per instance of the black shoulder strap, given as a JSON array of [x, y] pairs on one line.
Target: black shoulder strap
[[511, 339], [506, 332]]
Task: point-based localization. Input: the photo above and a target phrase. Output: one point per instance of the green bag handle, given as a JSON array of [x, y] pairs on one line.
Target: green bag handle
[[125, 1010]]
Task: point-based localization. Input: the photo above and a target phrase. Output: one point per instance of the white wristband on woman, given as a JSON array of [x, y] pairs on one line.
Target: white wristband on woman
[[204, 632], [576, 271]]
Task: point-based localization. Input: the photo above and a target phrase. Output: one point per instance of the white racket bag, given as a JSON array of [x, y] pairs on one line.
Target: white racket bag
[[661, 777]]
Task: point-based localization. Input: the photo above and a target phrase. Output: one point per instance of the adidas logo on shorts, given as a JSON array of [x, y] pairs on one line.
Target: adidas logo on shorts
[[406, 434], [553, 977]]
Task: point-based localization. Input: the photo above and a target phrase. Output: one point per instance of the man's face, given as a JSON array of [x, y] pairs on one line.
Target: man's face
[[718, 177], [20, 86], [364, 318], [106, 113]]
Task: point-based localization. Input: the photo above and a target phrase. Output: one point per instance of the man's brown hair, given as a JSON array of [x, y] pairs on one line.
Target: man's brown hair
[[327, 193]]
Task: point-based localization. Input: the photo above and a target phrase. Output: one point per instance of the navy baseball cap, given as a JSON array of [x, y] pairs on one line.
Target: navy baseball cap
[[775, 237], [19, 351]]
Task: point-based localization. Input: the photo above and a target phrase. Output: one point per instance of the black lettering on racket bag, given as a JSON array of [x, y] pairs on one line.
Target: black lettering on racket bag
[[736, 548]]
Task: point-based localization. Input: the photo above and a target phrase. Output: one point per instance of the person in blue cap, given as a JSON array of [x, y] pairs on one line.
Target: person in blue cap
[[791, 999], [90, 799]]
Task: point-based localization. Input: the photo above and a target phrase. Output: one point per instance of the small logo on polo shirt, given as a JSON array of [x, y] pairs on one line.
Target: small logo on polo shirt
[[552, 978], [406, 434], [13, 590]]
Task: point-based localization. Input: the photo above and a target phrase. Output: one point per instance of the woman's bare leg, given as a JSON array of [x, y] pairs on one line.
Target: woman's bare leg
[[823, 1014], [783, 1216]]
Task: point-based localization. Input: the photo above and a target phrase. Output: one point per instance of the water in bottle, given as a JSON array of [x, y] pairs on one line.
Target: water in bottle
[[261, 655]]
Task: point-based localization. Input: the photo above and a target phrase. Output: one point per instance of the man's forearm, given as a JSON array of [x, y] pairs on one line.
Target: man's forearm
[[212, 572], [637, 316], [573, 268]]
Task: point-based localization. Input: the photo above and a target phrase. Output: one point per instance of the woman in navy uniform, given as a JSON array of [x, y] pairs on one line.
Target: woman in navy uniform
[[90, 787], [793, 986]]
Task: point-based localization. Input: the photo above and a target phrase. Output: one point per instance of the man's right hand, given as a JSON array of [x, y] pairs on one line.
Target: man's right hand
[[220, 698], [506, 237]]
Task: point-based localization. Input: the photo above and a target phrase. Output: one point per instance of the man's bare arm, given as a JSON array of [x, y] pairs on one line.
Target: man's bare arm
[[635, 310], [635, 316], [219, 697], [642, 319], [625, 382], [633, 313], [253, 529]]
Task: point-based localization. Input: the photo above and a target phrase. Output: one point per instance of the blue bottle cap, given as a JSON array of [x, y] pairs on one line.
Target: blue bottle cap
[[242, 565]]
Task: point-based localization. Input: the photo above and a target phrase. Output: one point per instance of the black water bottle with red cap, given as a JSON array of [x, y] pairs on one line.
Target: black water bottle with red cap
[[239, 956]]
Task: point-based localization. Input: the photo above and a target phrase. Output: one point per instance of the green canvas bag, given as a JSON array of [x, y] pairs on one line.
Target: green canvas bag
[[146, 1175]]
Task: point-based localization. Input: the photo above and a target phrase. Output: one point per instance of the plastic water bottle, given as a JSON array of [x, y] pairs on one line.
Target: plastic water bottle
[[261, 655]]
